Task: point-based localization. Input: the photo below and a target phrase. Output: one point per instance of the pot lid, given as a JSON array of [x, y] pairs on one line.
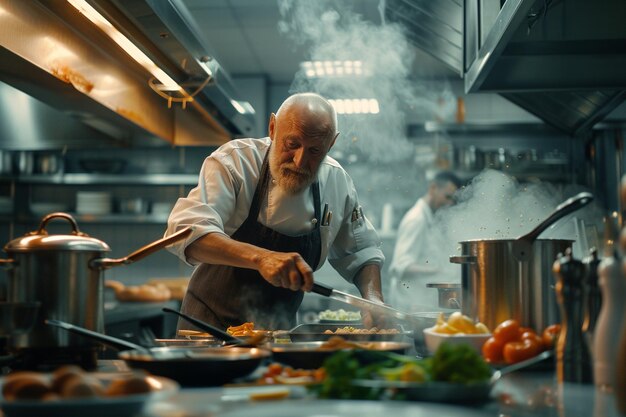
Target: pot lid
[[40, 240]]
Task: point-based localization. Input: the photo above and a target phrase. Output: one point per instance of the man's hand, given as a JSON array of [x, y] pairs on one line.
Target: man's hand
[[286, 270]]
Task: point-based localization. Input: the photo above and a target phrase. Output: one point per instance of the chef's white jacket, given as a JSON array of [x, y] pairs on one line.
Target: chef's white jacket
[[221, 201], [419, 242]]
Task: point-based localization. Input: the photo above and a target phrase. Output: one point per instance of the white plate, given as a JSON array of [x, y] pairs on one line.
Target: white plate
[[352, 408], [124, 406]]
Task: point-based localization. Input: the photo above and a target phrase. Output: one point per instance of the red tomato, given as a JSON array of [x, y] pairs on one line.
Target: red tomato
[[518, 351], [492, 350], [507, 331], [549, 335]]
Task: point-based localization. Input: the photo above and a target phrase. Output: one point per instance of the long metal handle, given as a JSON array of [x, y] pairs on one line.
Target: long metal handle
[[570, 205], [114, 342], [143, 252], [220, 334], [463, 259], [353, 300]]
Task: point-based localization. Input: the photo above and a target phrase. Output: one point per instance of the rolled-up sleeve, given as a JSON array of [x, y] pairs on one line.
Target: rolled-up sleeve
[[207, 207], [357, 243]]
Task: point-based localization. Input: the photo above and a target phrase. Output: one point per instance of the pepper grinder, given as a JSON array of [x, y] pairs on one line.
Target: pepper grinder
[[609, 325], [592, 297], [573, 362]]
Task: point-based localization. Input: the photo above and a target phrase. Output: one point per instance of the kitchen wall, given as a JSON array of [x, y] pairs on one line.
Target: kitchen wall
[[398, 183]]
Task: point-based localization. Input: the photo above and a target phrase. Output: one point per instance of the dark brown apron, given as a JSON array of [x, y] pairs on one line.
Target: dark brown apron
[[225, 296]]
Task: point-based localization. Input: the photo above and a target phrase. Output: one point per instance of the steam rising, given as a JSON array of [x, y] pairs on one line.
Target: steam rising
[[496, 206], [331, 30]]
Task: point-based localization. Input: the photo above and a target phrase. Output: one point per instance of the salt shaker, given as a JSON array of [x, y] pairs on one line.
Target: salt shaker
[[608, 329], [592, 296], [573, 362]]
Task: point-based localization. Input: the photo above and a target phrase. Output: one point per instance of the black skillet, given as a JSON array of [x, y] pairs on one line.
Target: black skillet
[[201, 366]]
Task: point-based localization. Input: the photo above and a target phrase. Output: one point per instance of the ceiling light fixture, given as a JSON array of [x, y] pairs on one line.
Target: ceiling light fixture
[[318, 69], [355, 105], [168, 84]]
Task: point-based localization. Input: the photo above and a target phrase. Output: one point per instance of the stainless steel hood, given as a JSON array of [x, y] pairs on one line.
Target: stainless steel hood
[[436, 27], [562, 60], [53, 53]]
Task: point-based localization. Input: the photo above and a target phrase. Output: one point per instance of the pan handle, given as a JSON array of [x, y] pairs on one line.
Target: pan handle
[[205, 326], [141, 253], [119, 344], [463, 259]]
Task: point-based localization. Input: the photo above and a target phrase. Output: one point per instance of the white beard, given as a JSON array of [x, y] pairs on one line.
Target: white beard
[[287, 176]]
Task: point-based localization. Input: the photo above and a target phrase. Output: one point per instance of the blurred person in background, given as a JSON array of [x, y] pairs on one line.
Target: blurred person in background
[[266, 213], [420, 256]]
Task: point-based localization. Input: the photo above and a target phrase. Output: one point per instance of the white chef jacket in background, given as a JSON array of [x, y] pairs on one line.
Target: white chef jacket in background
[[221, 201], [420, 242]]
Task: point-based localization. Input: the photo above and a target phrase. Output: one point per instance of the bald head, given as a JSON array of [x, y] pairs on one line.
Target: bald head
[[309, 113], [302, 131]]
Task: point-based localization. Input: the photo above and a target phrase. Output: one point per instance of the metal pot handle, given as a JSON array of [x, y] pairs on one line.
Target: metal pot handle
[[7, 263], [463, 259], [142, 252], [44, 222]]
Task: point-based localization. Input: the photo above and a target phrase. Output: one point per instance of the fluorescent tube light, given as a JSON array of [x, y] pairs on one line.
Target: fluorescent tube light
[[319, 69], [355, 105], [126, 44]]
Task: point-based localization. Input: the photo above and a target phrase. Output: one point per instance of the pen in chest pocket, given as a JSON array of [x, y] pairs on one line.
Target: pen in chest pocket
[[326, 215]]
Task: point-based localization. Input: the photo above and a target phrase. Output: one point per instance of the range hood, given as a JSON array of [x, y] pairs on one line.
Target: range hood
[[562, 60], [52, 52]]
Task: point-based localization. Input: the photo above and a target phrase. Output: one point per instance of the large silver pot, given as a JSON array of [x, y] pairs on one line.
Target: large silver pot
[[495, 286], [64, 273], [512, 278]]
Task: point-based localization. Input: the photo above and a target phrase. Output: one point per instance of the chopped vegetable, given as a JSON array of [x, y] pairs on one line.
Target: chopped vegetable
[[451, 363], [458, 364]]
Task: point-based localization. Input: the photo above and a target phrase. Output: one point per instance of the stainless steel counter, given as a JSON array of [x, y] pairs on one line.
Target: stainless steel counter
[[521, 394]]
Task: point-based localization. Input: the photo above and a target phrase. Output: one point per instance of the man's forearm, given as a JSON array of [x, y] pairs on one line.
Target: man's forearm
[[216, 248], [367, 280]]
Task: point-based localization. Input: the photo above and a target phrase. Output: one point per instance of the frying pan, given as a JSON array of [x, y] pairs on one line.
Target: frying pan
[[202, 366]]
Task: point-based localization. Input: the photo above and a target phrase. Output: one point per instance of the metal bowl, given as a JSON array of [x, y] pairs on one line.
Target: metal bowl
[[17, 318]]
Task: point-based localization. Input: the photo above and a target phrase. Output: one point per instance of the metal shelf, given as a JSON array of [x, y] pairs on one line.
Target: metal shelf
[[112, 218], [107, 179]]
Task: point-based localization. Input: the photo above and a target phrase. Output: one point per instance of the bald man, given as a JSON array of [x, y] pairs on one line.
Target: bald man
[[267, 213]]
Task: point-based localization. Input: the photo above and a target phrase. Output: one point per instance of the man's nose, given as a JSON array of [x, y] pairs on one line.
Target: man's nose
[[299, 158]]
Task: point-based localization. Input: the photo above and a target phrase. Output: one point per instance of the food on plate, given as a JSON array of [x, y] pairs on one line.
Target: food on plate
[[357, 330], [81, 386], [513, 343], [451, 363], [459, 323], [145, 292], [339, 315], [245, 329], [277, 373], [70, 382], [134, 384], [338, 342], [25, 385]]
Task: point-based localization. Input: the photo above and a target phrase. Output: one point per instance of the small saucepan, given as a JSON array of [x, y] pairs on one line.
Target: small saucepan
[[201, 366]]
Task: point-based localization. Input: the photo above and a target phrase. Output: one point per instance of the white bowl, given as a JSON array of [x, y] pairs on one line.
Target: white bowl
[[434, 339]]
